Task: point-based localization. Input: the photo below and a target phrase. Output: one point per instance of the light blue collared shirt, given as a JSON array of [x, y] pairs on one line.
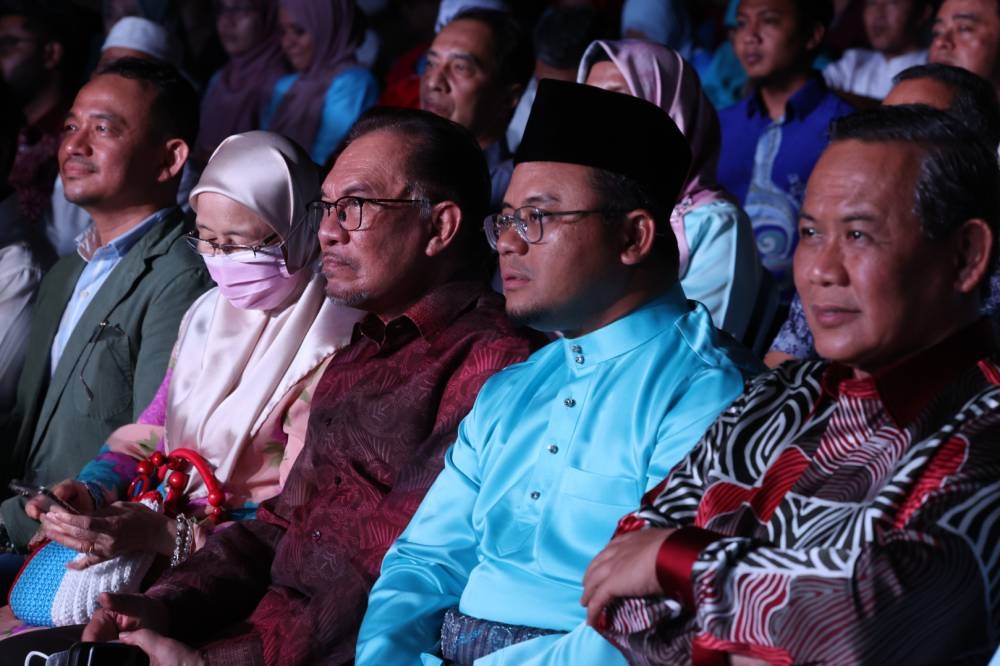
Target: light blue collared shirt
[[554, 452], [101, 261]]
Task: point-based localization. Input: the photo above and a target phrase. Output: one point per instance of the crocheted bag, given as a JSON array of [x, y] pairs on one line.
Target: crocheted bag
[[46, 593]]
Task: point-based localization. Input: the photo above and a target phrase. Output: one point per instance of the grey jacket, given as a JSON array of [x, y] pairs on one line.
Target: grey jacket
[[112, 365]]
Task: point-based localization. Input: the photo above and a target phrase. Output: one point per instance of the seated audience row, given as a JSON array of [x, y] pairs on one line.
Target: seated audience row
[[389, 468]]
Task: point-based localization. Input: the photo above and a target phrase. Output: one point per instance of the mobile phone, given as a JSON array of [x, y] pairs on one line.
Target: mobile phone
[[31, 490], [106, 654]]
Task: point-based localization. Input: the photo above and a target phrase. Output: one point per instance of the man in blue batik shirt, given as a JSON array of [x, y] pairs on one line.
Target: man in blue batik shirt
[[556, 449], [772, 139]]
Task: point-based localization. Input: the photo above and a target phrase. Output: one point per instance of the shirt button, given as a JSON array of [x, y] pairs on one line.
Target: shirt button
[[579, 360], [316, 535], [535, 494], [576, 349], [569, 402], [553, 448]]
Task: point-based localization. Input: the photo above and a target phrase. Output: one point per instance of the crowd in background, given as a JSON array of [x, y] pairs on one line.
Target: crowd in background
[[188, 262]]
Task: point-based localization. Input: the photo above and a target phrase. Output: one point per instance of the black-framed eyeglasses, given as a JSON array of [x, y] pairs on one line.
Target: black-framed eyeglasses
[[349, 210], [528, 222], [270, 246]]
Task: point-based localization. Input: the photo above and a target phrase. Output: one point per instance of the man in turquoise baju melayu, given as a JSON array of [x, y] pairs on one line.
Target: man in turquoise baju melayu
[[558, 448]]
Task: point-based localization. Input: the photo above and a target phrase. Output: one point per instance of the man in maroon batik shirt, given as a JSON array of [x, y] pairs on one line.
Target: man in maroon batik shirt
[[400, 231]]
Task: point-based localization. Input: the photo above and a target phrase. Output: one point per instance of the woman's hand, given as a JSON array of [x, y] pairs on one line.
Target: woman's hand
[[162, 651], [121, 613], [72, 492], [141, 621], [123, 527]]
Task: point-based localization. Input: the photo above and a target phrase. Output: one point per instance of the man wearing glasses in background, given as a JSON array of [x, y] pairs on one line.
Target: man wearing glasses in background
[[491, 565], [106, 316], [401, 239]]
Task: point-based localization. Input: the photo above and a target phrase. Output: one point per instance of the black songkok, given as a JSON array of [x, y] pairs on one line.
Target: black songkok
[[575, 123]]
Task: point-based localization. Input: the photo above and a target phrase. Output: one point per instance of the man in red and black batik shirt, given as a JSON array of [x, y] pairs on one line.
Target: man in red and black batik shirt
[[844, 511]]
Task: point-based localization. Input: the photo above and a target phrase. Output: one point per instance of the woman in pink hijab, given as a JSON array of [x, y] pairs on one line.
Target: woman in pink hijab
[[240, 91], [316, 106], [718, 258]]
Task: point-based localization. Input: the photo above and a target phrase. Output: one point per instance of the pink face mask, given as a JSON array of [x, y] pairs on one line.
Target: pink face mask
[[250, 282]]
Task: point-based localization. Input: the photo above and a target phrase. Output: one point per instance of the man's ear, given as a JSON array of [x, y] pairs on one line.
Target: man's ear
[[445, 222], [973, 249], [638, 234], [175, 156], [52, 55]]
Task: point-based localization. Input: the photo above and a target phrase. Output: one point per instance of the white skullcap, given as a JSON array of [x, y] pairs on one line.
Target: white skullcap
[[449, 8], [139, 34]]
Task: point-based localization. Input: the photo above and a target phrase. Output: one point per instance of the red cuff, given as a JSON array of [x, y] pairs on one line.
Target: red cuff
[[676, 558]]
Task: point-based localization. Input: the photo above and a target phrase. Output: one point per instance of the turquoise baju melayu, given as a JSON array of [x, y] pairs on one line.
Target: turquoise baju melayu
[[553, 453]]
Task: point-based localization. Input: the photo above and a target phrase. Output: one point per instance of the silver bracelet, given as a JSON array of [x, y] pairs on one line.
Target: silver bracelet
[[182, 545]]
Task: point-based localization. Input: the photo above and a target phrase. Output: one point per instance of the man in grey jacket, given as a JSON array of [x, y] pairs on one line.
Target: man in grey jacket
[[107, 315]]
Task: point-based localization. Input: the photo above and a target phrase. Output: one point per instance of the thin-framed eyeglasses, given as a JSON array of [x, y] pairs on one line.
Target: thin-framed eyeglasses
[[270, 246], [528, 222], [349, 210]]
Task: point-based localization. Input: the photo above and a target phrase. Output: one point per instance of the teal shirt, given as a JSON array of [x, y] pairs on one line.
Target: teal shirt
[[351, 93], [554, 452], [724, 271]]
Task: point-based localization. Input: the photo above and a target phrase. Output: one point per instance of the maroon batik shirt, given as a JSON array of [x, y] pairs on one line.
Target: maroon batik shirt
[[382, 416], [825, 519]]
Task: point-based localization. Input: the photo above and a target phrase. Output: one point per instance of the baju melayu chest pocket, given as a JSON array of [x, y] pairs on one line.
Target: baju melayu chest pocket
[[102, 380], [581, 519]]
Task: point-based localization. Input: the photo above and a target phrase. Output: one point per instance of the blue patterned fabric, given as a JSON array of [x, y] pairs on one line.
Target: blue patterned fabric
[[465, 638], [765, 163]]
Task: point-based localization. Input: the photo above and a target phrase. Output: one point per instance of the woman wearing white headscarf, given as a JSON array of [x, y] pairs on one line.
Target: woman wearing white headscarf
[[238, 387]]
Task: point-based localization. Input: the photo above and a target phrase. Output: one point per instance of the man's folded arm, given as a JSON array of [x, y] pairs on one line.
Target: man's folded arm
[[847, 605]]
